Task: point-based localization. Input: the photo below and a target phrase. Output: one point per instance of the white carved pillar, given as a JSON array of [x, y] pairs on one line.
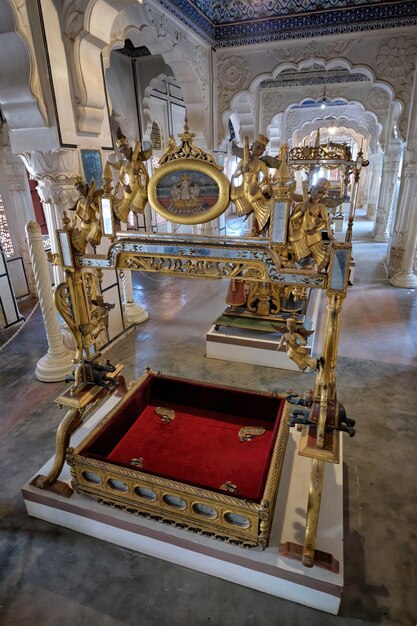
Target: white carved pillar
[[135, 313], [15, 191], [363, 188], [57, 362], [374, 185], [54, 171], [389, 182], [401, 251], [17, 201]]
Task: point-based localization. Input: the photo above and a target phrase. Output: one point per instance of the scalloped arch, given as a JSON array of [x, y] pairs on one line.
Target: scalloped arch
[[335, 63], [106, 26], [371, 131]]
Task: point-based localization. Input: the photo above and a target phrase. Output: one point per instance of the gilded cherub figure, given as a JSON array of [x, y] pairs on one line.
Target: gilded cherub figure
[[307, 221], [133, 178], [295, 346], [85, 216], [254, 193]]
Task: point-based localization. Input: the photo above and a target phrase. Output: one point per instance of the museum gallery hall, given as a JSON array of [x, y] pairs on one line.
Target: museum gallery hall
[[208, 319]]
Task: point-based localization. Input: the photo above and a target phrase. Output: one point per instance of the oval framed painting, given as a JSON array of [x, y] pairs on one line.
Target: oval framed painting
[[189, 191]]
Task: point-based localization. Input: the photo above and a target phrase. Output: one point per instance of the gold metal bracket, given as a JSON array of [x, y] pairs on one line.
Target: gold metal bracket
[[247, 433], [166, 415]]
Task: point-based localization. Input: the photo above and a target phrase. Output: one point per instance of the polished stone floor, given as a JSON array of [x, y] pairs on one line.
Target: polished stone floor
[[52, 576]]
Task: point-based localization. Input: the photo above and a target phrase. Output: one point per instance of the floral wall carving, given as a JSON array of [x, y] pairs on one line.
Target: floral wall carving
[[232, 72], [271, 103], [202, 72], [396, 63]]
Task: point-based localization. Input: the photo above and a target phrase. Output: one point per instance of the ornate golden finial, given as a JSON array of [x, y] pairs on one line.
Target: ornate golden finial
[[282, 174], [65, 220], [107, 179], [186, 136], [283, 171], [186, 149], [79, 180]]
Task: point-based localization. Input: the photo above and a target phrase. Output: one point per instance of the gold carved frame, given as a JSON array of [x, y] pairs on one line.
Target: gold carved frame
[[184, 167]]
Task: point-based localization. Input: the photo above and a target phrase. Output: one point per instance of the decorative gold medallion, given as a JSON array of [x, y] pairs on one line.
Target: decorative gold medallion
[[250, 432], [166, 415], [188, 187], [137, 462], [229, 486]]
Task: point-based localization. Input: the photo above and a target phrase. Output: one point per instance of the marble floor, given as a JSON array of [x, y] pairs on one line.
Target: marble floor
[[50, 575]]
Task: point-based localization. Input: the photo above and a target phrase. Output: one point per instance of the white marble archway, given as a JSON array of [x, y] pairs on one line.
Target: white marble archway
[[105, 24], [239, 83]]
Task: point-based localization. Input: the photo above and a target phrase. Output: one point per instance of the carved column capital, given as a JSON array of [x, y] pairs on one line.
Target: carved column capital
[[54, 171]]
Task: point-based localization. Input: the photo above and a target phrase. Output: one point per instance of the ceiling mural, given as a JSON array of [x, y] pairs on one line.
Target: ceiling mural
[[238, 22]]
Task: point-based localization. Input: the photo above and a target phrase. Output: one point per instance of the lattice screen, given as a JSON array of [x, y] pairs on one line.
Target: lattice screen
[[5, 238]]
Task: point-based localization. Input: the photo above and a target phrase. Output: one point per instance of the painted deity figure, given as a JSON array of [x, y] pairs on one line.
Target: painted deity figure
[[133, 178], [254, 193], [86, 226], [185, 194], [295, 346], [307, 221]]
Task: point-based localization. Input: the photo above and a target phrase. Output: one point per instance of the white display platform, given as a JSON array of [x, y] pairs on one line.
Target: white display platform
[[243, 345], [265, 571]]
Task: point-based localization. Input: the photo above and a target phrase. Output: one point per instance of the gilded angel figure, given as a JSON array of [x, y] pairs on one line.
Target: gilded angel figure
[[295, 345], [133, 178], [308, 220], [254, 193], [86, 226]]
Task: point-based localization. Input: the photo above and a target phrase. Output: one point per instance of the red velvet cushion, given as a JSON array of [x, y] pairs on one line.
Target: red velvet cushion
[[200, 447]]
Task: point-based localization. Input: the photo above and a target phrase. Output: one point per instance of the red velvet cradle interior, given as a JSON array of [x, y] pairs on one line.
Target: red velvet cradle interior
[[201, 445]]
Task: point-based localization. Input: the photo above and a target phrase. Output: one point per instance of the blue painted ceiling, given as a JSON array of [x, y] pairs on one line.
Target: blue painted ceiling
[[237, 22]]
